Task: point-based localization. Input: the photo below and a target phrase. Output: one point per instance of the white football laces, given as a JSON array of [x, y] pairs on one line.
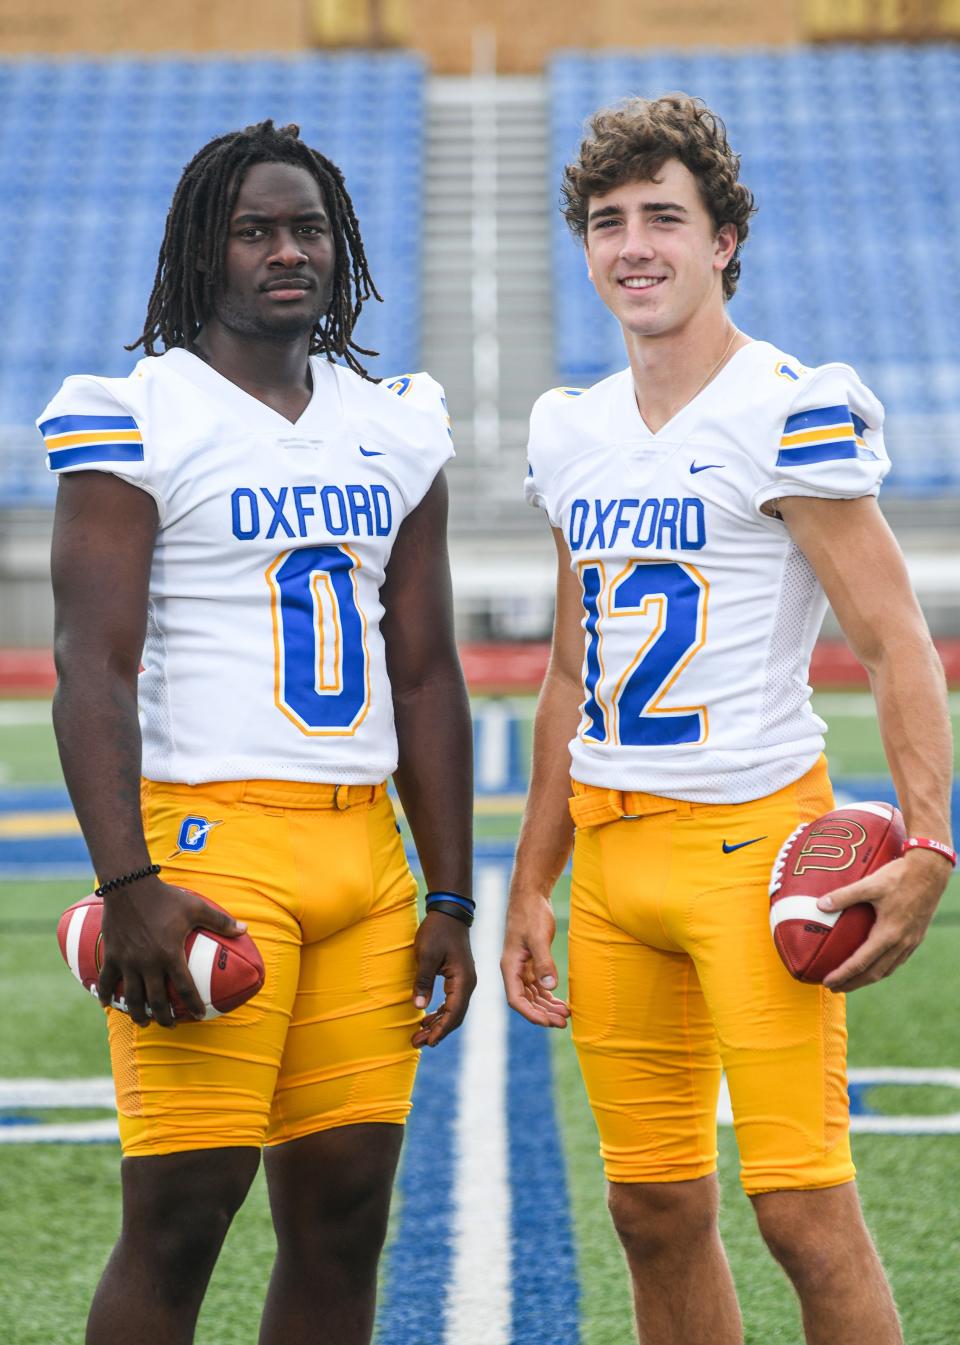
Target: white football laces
[[776, 876]]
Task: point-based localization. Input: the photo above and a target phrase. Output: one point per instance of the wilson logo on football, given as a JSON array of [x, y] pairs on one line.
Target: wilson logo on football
[[831, 846]]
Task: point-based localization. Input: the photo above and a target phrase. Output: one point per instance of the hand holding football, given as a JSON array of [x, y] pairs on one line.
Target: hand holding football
[[837, 849], [226, 972]]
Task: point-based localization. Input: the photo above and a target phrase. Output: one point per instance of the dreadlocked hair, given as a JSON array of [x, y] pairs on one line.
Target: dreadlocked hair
[[196, 231]]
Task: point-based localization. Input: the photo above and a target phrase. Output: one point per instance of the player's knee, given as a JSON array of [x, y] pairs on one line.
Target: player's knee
[[342, 1215], [653, 1219], [183, 1251], [363, 1231], [807, 1249], [182, 1207]]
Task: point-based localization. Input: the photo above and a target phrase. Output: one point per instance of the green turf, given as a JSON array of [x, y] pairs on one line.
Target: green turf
[[906, 1182], [853, 740], [49, 1191], [913, 1100], [52, 1257], [32, 977], [62, 1203], [28, 753]]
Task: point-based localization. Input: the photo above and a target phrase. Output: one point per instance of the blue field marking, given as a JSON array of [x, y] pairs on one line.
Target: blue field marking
[[33, 798], [417, 1269], [500, 761], [60, 856], [859, 788], [545, 1287], [859, 1099]]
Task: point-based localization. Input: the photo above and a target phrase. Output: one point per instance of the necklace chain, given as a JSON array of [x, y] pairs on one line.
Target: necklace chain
[[726, 351], [734, 333]]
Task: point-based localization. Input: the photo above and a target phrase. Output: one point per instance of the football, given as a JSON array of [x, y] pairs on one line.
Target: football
[[226, 972], [836, 849]]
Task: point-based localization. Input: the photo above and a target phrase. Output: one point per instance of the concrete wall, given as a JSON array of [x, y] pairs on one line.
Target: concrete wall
[[62, 27], [524, 31]]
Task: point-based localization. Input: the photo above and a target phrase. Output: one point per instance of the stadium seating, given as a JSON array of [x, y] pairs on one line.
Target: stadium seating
[[90, 151], [853, 156]]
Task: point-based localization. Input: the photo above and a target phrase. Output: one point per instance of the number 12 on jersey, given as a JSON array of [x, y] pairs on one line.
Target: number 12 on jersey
[[625, 705]]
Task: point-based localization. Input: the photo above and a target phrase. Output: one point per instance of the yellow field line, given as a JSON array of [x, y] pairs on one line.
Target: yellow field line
[[57, 823]]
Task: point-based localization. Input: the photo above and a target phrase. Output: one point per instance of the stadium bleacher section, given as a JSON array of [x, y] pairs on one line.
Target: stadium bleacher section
[[850, 151], [90, 151], [853, 156]]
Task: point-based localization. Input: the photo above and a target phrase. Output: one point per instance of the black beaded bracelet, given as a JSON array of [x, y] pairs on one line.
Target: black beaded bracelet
[[113, 883], [451, 903]]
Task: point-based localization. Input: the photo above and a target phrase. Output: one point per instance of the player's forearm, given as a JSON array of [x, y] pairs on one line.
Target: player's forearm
[[910, 691], [98, 738], [546, 834], [435, 777]]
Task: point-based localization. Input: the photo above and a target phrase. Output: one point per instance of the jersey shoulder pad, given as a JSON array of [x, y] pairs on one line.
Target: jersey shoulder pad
[[831, 415], [419, 390], [404, 416], [563, 411], [92, 422]]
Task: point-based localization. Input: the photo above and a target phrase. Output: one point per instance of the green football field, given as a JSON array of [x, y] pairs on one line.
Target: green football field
[[60, 1201]]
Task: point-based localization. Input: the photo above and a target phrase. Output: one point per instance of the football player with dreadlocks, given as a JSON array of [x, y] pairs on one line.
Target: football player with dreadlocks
[[262, 526]]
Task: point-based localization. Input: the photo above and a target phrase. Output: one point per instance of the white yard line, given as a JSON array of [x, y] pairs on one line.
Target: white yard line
[[36, 1094], [479, 1305], [493, 744], [943, 1124], [69, 1132], [13, 714]]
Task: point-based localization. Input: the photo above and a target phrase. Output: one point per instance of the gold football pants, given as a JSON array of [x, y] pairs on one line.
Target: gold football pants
[[320, 877], [674, 978]]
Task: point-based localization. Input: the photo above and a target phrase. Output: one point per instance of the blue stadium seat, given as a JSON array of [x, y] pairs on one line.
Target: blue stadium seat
[[853, 155], [94, 148]]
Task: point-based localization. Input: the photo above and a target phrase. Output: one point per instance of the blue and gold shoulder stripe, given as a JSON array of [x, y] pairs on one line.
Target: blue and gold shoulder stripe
[[823, 434], [75, 441]]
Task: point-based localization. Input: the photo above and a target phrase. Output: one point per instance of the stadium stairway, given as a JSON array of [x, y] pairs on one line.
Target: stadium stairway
[[488, 335]]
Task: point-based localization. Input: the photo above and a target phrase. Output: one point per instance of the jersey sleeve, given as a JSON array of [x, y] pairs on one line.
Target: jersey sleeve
[[86, 427], [829, 443], [546, 432], [429, 423], [531, 490]]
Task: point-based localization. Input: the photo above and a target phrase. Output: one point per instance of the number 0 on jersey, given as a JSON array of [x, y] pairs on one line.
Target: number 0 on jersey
[[322, 669]]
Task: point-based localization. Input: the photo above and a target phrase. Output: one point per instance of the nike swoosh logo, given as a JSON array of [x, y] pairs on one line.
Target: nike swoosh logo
[[729, 849], [369, 452], [705, 467]]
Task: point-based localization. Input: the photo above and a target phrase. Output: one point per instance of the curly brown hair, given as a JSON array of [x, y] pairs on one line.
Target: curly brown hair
[[632, 142]]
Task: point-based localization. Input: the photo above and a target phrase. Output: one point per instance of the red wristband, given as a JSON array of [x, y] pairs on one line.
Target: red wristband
[[925, 843]]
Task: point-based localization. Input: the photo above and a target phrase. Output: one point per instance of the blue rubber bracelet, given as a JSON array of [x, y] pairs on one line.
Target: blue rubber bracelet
[[467, 903]]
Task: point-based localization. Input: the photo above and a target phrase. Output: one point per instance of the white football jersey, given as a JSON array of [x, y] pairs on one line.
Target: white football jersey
[[263, 657], [700, 613]]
